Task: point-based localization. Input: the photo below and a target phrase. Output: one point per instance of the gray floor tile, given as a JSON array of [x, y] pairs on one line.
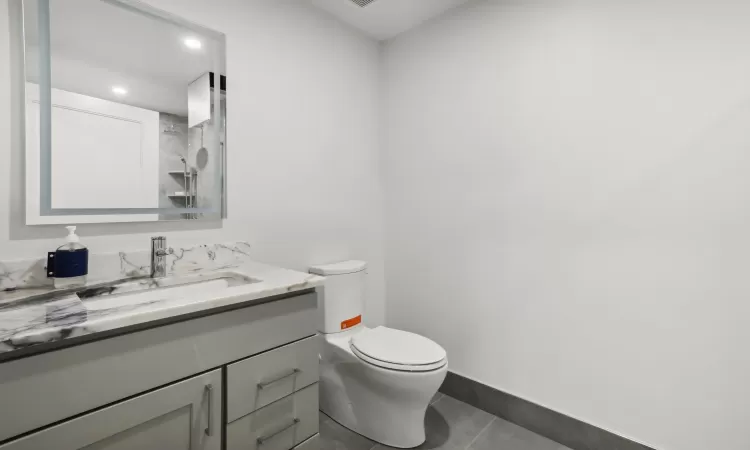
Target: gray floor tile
[[336, 437], [451, 425], [539, 419], [436, 397], [503, 435]]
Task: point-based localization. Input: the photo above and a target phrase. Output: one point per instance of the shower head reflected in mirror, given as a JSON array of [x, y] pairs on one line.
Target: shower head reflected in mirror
[[201, 156]]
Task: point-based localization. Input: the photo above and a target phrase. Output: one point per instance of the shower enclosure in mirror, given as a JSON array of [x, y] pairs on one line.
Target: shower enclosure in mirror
[[125, 114]]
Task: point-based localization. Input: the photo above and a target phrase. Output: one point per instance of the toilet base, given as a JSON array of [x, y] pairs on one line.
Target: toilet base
[[383, 405]]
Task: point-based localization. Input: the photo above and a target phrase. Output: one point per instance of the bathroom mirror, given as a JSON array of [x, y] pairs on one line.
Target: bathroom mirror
[[125, 113]]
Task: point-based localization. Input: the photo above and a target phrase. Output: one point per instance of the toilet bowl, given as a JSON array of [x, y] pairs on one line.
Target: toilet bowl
[[379, 381], [379, 395]]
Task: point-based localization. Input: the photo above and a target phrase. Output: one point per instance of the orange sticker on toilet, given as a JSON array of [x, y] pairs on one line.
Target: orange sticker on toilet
[[351, 322]]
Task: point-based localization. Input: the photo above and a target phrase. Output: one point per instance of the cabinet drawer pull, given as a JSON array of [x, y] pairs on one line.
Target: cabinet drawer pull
[[264, 439], [293, 373], [210, 428]]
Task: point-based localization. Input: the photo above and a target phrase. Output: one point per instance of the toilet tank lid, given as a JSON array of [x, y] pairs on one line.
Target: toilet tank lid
[[341, 268]]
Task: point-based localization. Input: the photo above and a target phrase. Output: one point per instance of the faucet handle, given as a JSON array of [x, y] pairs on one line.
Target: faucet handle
[[164, 252]]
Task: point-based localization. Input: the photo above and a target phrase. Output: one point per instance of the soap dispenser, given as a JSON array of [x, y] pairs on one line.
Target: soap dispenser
[[69, 264]]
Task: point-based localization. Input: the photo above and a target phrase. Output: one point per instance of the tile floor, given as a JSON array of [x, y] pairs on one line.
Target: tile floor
[[451, 425]]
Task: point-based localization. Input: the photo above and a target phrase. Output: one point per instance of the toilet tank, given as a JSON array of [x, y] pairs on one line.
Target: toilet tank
[[341, 301]]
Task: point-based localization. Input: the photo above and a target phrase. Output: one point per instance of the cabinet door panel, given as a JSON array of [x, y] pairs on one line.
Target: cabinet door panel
[[183, 416]]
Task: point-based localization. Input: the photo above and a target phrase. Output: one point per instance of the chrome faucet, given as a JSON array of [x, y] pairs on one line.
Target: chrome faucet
[[159, 252]]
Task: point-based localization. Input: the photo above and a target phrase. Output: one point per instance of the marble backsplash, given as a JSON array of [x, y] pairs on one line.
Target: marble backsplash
[[19, 277]]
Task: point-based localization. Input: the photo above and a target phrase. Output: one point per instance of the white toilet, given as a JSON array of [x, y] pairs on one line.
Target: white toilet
[[377, 382]]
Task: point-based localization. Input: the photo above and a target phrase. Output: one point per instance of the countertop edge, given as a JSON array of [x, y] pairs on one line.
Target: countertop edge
[[73, 341], [274, 283]]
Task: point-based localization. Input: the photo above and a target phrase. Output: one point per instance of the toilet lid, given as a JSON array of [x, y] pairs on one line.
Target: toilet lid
[[396, 349]]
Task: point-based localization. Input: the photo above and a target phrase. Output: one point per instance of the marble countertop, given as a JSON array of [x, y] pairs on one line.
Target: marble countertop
[[25, 322]]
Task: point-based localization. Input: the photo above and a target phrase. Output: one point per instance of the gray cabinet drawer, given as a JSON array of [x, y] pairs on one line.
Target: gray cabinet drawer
[[183, 416], [261, 380], [311, 444], [279, 426]]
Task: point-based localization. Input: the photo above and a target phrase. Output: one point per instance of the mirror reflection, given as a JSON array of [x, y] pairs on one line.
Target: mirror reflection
[[121, 116]]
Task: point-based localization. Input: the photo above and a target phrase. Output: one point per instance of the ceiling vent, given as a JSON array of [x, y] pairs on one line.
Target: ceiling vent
[[362, 3]]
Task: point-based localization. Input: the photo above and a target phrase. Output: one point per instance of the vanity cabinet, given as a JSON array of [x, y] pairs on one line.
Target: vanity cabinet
[[249, 373], [182, 416]]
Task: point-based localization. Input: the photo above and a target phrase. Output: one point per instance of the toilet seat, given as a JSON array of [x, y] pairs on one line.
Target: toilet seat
[[398, 350]]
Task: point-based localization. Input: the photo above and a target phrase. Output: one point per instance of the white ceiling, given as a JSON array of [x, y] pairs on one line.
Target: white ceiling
[[384, 19], [96, 45]]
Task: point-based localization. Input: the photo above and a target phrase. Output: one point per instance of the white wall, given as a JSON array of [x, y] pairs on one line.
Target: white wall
[[302, 144], [568, 207]]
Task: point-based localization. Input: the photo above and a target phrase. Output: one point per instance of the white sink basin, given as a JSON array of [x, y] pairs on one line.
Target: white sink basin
[[186, 288]]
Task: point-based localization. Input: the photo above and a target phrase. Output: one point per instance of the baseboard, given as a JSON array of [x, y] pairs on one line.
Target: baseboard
[[551, 424]]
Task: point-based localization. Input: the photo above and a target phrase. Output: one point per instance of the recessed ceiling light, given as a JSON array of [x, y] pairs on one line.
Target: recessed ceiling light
[[119, 90], [193, 44]]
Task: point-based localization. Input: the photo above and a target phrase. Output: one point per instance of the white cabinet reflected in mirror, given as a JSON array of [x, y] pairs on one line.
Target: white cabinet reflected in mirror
[[122, 123]]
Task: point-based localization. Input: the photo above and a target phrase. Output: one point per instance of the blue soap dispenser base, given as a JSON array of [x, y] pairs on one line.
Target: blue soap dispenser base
[[69, 264]]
